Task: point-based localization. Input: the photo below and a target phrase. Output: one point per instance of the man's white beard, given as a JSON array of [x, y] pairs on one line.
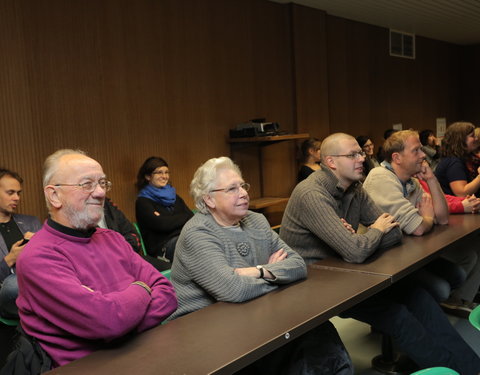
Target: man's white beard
[[81, 219]]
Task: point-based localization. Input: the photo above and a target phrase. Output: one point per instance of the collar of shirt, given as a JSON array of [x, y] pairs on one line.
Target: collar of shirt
[[333, 185], [408, 187], [71, 231]]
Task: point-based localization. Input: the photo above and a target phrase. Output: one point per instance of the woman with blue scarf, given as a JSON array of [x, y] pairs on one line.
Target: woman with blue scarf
[[161, 213]]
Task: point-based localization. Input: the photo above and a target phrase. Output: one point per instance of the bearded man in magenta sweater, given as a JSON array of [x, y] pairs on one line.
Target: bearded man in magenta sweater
[[81, 287]]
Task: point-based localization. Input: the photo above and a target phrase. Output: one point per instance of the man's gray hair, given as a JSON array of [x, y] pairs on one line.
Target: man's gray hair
[[205, 178], [50, 166]]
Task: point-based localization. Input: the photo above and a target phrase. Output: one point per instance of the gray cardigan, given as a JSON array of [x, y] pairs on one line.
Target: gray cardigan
[[311, 223], [207, 254]]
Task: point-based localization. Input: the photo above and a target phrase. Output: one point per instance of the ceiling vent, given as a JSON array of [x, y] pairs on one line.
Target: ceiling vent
[[402, 44]]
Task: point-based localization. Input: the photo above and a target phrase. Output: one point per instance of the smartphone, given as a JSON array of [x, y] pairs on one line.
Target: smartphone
[[24, 242]]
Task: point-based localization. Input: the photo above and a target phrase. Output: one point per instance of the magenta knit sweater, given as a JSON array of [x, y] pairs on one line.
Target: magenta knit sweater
[[76, 294]]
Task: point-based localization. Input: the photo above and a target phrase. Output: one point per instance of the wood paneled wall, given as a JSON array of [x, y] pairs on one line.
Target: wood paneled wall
[[125, 80], [470, 91], [369, 90]]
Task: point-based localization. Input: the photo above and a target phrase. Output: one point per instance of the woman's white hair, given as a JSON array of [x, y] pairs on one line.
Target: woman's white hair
[[205, 178]]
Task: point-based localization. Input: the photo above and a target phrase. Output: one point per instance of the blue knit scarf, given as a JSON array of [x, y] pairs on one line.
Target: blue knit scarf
[[166, 195]]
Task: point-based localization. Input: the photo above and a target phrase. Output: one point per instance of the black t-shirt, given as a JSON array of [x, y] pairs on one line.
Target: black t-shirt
[[451, 169], [304, 172], [10, 232]]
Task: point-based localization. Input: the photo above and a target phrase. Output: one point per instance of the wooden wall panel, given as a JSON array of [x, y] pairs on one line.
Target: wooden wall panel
[[126, 80], [310, 74], [470, 93], [369, 91]]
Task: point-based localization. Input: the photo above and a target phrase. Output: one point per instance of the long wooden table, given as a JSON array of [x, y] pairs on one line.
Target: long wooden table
[[413, 253], [225, 337]]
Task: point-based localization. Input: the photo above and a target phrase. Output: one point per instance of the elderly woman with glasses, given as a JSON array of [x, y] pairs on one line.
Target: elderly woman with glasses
[[228, 253], [161, 213]]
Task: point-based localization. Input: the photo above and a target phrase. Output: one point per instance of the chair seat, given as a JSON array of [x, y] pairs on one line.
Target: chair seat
[[474, 317], [9, 322], [436, 371]]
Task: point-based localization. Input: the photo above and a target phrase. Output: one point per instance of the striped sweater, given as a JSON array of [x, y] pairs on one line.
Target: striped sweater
[[207, 254], [311, 223]]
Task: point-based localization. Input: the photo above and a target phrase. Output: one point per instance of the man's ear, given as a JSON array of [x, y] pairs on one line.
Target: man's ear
[[209, 201], [396, 157], [329, 161], [51, 195]]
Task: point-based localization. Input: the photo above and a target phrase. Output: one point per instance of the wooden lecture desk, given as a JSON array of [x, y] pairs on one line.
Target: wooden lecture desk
[[413, 253], [225, 337]]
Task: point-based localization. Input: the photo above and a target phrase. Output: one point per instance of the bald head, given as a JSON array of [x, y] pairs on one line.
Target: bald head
[[334, 144], [53, 161]]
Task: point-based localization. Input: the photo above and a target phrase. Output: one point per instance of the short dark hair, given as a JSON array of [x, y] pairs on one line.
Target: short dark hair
[[147, 168], [387, 133], [7, 172], [362, 139], [424, 134]]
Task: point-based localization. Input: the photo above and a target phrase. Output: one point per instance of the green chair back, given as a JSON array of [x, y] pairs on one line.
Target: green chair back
[[9, 322], [474, 317], [144, 250], [166, 273], [436, 371]]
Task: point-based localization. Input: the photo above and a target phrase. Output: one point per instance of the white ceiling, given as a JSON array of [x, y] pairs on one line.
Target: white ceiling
[[454, 21]]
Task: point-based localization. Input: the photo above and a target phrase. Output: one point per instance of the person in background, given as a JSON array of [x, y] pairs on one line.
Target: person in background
[[452, 172], [368, 147], [395, 188], [310, 158], [322, 219], [82, 288], [228, 253], [380, 153], [161, 213], [431, 147], [115, 219], [473, 161], [457, 205], [14, 230]]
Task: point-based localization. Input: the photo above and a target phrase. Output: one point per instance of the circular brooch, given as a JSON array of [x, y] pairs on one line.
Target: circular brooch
[[243, 248]]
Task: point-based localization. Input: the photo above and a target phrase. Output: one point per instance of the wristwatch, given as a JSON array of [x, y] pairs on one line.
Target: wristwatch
[[262, 273]]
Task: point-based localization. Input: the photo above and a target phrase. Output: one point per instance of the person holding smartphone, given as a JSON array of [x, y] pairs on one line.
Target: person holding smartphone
[[15, 231]]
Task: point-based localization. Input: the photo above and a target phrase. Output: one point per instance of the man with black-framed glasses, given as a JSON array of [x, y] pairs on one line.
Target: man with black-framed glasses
[[82, 288], [322, 218], [330, 201]]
